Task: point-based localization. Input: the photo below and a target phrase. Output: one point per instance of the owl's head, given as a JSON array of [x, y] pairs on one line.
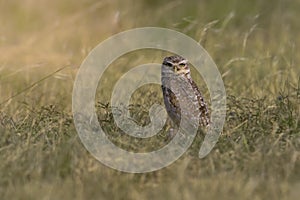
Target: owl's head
[[176, 64]]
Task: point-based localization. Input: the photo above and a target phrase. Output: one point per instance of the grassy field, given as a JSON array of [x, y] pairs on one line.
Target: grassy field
[[254, 43]]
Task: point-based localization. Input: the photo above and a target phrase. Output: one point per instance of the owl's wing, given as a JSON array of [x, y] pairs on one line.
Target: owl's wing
[[189, 94], [204, 112]]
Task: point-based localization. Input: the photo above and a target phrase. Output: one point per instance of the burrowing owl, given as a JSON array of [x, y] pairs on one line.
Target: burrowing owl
[[176, 66]]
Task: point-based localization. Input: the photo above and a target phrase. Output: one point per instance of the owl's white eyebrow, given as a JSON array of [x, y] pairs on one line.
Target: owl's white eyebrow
[[183, 62]]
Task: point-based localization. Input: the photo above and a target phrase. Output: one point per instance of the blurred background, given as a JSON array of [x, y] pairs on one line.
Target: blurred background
[[254, 43]]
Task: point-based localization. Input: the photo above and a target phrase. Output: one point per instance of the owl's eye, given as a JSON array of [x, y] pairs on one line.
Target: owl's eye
[[182, 64]]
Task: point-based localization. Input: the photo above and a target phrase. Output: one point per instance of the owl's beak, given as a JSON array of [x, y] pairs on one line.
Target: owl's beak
[[175, 69], [180, 70]]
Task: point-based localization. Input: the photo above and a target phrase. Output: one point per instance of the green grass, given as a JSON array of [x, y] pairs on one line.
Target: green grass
[[254, 44]]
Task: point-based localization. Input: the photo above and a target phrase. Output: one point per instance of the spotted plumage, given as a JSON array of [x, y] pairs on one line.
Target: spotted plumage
[[176, 74]]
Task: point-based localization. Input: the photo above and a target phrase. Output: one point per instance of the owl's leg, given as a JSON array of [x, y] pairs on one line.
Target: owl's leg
[[171, 133], [171, 129], [168, 127]]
